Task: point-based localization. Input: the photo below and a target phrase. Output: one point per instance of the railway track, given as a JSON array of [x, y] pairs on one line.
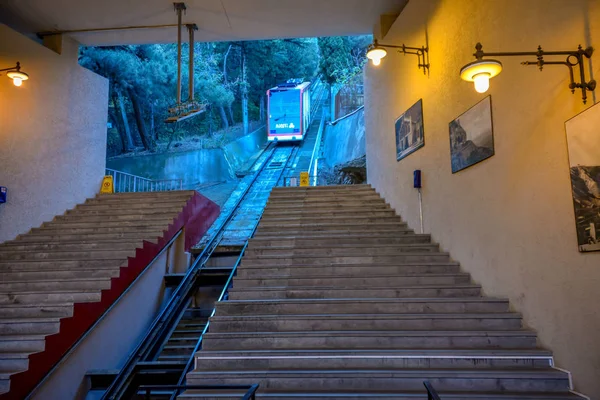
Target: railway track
[[157, 367], [166, 353]]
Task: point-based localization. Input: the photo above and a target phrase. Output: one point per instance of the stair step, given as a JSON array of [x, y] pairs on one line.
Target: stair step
[[351, 250], [139, 234], [258, 271], [286, 243], [129, 202], [324, 197], [207, 360], [92, 284], [83, 223], [287, 221], [334, 212], [300, 204], [60, 310], [331, 235], [21, 343], [379, 395], [105, 210], [14, 362], [163, 217], [338, 242], [29, 326], [309, 259], [332, 226], [326, 190], [69, 246], [318, 189], [93, 229], [365, 282], [536, 380], [337, 292], [38, 265], [49, 297], [520, 339], [53, 274], [67, 255], [365, 322], [362, 306], [147, 195]]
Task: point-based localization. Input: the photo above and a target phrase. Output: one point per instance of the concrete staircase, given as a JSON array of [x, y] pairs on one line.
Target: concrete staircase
[[82, 260], [337, 298]]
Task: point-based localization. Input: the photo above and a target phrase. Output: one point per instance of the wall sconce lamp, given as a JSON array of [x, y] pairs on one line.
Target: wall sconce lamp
[[481, 71], [15, 74], [377, 51]]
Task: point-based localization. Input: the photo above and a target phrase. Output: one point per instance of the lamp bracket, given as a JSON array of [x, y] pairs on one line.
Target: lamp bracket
[[421, 52], [15, 68], [574, 59]]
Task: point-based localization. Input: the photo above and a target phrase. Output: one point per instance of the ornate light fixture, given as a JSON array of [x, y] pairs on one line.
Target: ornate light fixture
[[377, 51], [15, 74], [482, 70]]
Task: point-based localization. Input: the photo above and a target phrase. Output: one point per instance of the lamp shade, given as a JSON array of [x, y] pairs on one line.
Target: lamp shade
[[17, 76], [376, 53], [490, 68]]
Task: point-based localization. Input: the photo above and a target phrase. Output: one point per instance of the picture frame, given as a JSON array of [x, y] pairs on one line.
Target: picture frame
[[583, 150], [472, 136], [410, 132]]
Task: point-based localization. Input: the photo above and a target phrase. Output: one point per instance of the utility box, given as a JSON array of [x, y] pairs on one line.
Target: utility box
[[417, 179], [3, 191]]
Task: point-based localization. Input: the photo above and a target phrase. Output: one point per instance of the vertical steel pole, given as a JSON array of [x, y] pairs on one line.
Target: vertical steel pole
[[191, 29], [179, 8], [421, 210]]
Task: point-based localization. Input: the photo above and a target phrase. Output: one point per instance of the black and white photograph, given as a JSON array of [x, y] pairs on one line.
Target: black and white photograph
[[472, 136], [583, 141], [409, 131]]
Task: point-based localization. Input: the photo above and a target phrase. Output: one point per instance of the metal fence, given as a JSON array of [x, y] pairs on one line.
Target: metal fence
[[124, 182]]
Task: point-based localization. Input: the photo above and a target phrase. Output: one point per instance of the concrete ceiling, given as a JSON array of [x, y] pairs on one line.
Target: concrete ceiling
[[218, 20]]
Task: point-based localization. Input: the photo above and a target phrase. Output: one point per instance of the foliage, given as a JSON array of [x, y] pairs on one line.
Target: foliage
[[143, 82], [342, 57]]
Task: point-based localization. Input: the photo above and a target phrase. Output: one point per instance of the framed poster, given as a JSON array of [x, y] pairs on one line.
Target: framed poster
[[583, 143], [409, 131], [472, 136]]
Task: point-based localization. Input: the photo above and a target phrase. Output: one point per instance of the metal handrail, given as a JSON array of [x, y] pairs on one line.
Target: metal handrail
[[431, 392], [124, 182], [154, 337], [249, 395]]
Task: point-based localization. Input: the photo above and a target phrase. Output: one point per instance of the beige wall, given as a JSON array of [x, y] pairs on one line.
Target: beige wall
[[52, 133], [509, 220]]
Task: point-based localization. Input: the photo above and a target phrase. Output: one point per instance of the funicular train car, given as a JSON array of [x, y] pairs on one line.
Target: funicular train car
[[289, 111]]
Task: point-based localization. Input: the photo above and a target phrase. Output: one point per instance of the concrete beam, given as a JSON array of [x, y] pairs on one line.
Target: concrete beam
[[385, 24], [54, 42]]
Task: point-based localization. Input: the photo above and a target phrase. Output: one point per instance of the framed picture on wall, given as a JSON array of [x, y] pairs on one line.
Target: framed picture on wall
[[583, 143], [472, 136], [409, 131]]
